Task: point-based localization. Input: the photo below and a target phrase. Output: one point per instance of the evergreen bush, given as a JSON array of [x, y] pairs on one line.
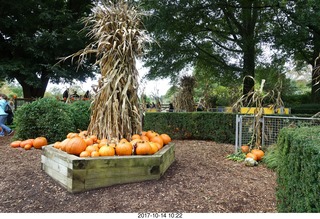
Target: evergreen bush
[[46, 117], [80, 114], [298, 172]]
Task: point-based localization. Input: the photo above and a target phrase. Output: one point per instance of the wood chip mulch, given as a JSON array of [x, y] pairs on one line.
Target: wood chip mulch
[[200, 180]]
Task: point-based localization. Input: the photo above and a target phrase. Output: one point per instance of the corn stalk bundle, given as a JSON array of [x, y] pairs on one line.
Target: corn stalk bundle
[[183, 100], [257, 98], [117, 39]]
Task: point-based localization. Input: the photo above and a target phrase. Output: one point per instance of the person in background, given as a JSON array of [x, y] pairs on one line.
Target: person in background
[[65, 94], [87, 95], [3, 116], [171, 107], [75, 94]]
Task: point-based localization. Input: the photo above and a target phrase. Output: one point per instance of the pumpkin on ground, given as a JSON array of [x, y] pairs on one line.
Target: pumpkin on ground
[[25, 142], [15, 144], [259, 153], [245, 148], [27, 146], [251, 155], [76, 145], [39, 142]]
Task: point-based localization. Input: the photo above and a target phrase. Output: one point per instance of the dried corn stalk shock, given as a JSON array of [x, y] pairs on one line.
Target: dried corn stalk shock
[[183, 101], [117, 40]]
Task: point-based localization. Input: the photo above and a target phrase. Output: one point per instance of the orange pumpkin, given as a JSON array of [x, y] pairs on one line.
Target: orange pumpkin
[[72, 135], [123, 140], [124, 148], [106, 151], [91, 148], [251, 155], [84, 154], [135, 136], [64, 143], [143, 148], [245, 149], [154, 147], [157, 138], [150, 134], [57, 144], [76, 145], [25, 142], [15, 144], [27, 146], [95, 154], [259, 153], [83, 134], [89, 141], [39, 142], [166, 138], [94, 138], [144, 138]]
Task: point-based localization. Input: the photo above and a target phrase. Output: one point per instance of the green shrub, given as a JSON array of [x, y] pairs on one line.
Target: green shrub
[[44, 117], [271, 157], [219, 127], [298, 170], [80, 114]]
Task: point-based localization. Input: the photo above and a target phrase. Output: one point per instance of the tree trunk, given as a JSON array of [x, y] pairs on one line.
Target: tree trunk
[[249, 17], [315, 89], [30, 90]]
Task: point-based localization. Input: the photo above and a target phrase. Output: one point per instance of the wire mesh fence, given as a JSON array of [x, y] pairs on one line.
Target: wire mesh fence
[[270, 127]]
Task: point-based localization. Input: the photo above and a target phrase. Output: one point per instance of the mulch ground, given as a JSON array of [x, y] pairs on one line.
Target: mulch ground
[[200, 180]]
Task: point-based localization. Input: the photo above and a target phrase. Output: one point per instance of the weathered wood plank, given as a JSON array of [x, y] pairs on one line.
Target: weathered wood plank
[[93, 183], [116, 161], [167, 159], [53, 164]]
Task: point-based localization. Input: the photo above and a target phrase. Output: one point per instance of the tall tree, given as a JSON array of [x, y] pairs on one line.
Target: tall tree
[[297, 32], [33, 35], [221, 37]]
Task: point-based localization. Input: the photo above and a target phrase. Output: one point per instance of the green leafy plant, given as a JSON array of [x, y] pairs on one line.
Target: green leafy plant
[[46, 117], [238, 156]]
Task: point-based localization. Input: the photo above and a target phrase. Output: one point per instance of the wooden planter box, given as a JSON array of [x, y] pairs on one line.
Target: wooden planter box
[[81, 174]]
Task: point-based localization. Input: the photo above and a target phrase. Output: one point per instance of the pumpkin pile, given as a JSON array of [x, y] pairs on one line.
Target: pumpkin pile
[[250, 157], [27, 144], [84, 145]]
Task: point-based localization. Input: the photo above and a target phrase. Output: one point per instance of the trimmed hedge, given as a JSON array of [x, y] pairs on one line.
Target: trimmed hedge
[[219, 127], [298, 172], [305, 109]]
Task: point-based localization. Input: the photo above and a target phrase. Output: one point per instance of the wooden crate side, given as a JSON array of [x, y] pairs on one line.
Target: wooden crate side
[[167, 159], [104, 182], [58, 155], [116, 161], [120, 172], [57, 166], [58, 177]]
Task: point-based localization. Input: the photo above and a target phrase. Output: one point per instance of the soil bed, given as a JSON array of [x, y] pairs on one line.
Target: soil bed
[[200, 180]]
